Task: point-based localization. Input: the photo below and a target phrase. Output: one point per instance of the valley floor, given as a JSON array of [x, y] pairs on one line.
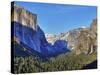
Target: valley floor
[[62, 62]]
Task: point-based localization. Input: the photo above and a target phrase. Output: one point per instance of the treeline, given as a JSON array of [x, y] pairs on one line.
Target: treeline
[[59, 63]]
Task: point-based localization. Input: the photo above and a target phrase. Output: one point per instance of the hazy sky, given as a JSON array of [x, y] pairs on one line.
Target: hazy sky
[[57, 18]]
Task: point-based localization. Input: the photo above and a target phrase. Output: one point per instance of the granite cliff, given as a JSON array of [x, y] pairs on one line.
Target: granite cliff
[[80, 40], [26, 32]]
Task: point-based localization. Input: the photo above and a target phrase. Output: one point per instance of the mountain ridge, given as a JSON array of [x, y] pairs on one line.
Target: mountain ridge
[[34, 51], [75, 36], [27, 31], [31, 34]]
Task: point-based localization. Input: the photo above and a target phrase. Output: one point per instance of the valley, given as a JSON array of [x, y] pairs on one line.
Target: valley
[[36, 51]]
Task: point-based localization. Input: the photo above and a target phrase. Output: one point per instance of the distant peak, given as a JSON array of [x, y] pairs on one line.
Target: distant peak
[[83, 27]]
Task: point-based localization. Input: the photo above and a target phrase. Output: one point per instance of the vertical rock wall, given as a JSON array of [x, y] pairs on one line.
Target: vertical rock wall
[[24, 17]]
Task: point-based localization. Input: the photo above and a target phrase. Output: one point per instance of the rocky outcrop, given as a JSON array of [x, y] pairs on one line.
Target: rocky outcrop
[[80, 40], [93, 26], [93, 29], [24, 17], [83, 40]]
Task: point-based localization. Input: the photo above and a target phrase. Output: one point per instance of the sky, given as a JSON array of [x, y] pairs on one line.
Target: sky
[[59, 18]]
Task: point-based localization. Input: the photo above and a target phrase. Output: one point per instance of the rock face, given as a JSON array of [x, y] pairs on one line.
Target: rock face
[[80, 40], [26, 28], [51, 38], [28, 33], [93, 29], [93, 26], [24, 17]]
